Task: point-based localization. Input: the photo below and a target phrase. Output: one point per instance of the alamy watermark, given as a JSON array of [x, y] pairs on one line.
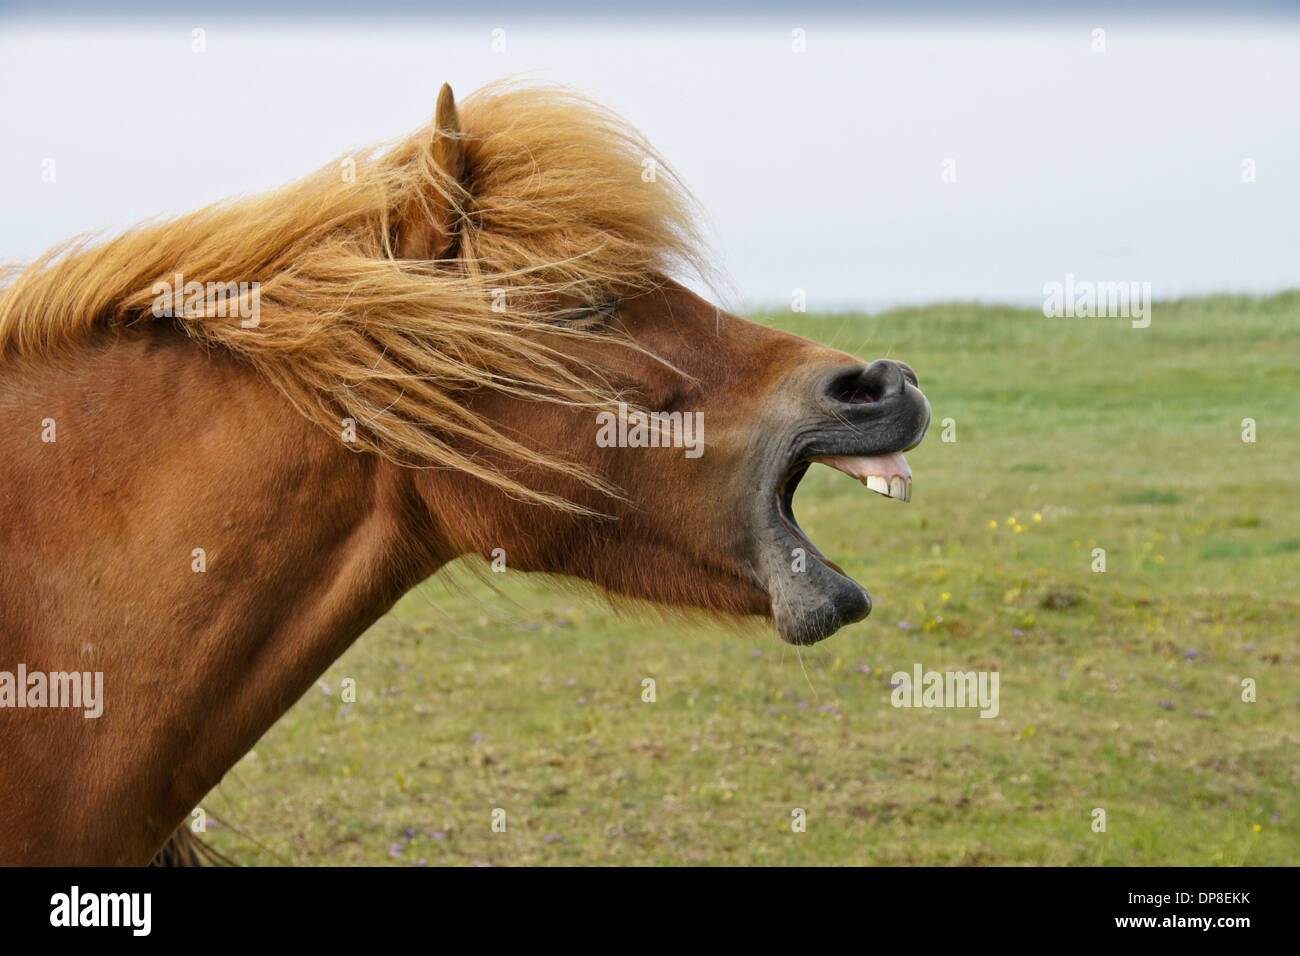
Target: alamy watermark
[[242, 300], [637, 429], [77, 689], [946, 689], [1104, 300], [130, 910]]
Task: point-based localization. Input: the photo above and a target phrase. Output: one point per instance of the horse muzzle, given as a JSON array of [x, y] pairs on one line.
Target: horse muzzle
[[859, 420]]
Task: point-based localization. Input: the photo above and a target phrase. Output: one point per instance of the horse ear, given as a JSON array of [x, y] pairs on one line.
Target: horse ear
[[427, 229]]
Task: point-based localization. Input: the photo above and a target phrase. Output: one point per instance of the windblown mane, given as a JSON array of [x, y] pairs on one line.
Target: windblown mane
[[555, 216]]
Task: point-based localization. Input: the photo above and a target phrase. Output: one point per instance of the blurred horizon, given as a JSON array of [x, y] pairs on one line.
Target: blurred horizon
[[891, 162]]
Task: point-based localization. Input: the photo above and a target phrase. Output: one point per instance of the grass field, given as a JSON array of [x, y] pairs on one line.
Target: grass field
[[1119, 690]]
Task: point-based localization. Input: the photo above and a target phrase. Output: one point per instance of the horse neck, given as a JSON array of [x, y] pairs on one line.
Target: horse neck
[[197, 541]]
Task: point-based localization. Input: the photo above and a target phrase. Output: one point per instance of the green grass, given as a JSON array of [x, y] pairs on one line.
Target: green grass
[[1119, 690]]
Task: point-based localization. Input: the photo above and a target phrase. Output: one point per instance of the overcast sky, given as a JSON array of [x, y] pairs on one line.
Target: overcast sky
[[821, 170]]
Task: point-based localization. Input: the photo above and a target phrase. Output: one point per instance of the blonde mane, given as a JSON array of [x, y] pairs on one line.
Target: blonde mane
[[557, 214]]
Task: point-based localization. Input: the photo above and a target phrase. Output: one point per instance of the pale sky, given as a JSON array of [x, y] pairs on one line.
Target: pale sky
[[819, 170]]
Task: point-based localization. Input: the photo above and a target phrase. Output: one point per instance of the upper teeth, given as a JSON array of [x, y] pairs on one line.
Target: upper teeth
[[896, 487], [888, 475]]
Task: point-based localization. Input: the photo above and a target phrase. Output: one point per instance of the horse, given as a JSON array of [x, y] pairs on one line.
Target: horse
[[234, 438]]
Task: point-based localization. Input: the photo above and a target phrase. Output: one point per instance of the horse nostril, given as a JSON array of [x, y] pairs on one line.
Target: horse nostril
[[854, 392], [866, 384], [909, 374]]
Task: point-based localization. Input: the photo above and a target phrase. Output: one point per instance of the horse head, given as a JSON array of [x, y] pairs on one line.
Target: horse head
[[682, 472]]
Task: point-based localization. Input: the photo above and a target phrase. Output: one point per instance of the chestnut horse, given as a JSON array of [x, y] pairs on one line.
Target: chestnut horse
[[233, 439]]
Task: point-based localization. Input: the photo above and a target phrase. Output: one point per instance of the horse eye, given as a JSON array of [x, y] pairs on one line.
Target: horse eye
[[592, 319]]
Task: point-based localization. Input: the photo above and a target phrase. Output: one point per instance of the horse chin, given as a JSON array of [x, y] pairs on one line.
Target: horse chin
[[827, 601]]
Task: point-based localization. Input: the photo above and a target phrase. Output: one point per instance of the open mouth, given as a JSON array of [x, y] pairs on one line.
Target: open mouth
[[887, 475], [866, 418]]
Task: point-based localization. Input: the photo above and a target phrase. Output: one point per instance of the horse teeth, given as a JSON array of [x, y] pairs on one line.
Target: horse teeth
[[895, 487]]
